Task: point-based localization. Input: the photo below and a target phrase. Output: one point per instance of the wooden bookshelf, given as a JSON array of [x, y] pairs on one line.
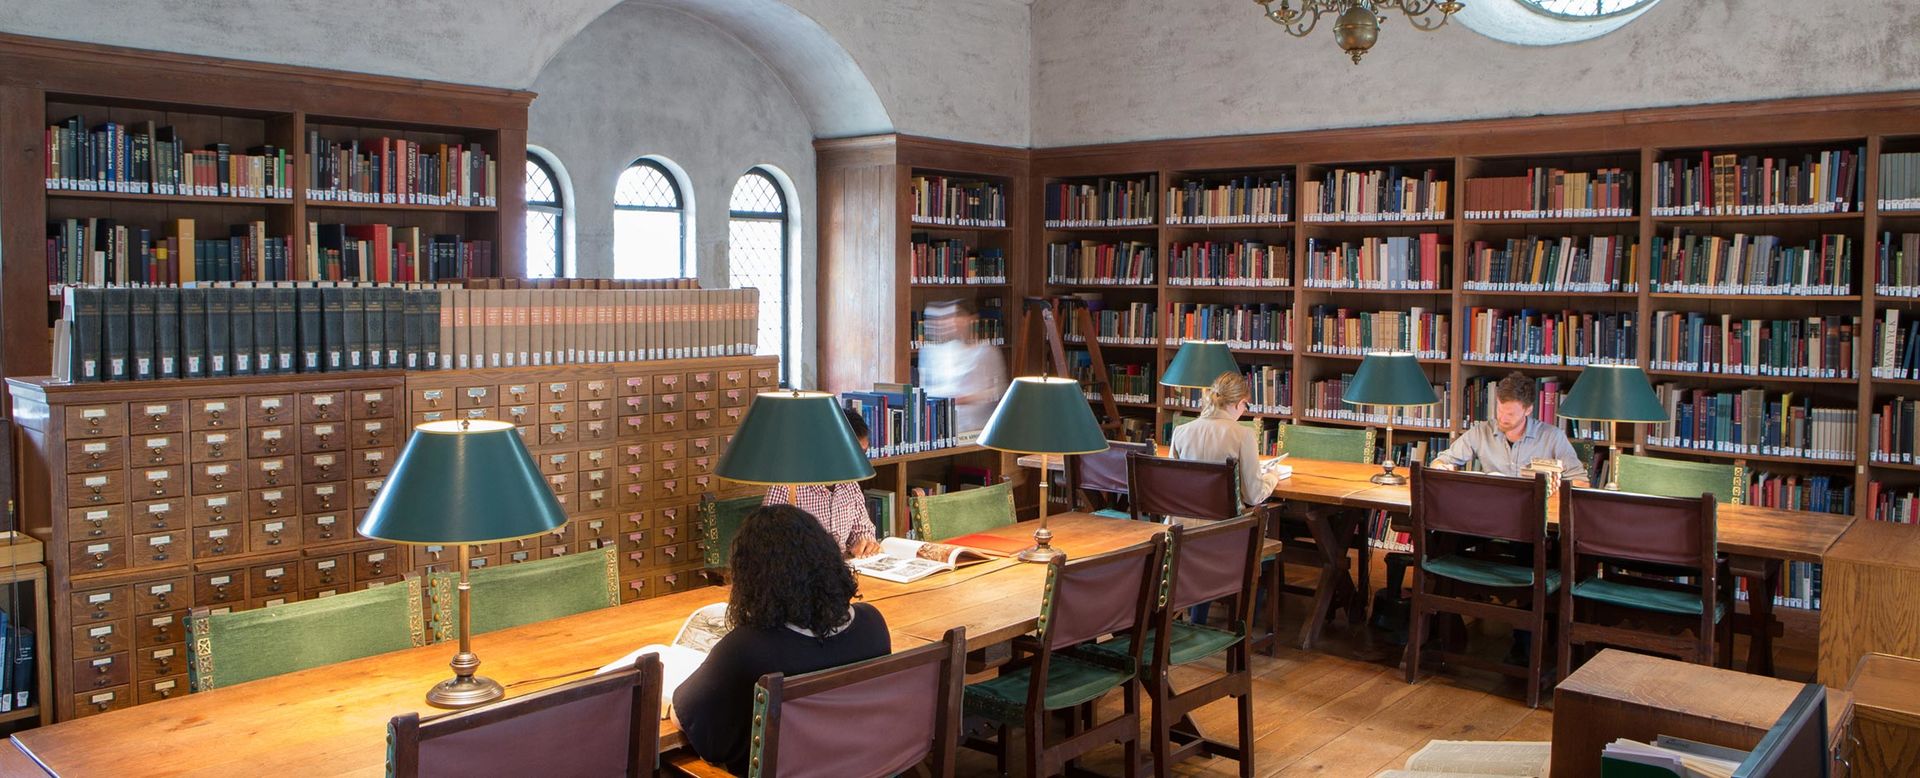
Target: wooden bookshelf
[[212, 100]]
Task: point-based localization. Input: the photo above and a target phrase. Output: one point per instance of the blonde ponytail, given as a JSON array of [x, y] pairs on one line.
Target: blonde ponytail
[[1227, 390]]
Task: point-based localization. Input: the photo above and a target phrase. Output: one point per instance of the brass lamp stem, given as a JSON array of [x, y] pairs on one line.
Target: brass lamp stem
[[1613, 463], [1040, 551], [465, 689], [1387, 477]]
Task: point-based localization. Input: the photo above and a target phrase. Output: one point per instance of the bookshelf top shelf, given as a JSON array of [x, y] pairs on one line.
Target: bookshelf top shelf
[[345, 206], [1842, 216], [1760, 379], [1350, 225], [156, 198], [1621, 220]]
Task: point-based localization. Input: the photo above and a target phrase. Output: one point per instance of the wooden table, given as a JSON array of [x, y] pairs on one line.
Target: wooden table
[[1868, 597], [1624, 695], [1886, 715], [332, 720]]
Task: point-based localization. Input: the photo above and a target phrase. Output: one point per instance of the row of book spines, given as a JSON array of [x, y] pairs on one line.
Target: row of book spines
[[1228, 262], [1732, 184], [1894, 503], [1712, 260], [1815, 347], [264, 172], [1606, 259], [1394, 262], [1323, 400], [1343, 193], [1899, 260], [1504, 334], [940, 197], [1754, 421], [1549, 192], [399, 171], [1129, 200], [1257, 199], [902, 419], [1894, 436], [97, 253], [1086, 261], [1900, 180]]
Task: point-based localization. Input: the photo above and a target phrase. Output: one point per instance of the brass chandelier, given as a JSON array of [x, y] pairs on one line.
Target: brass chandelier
[[1358, 22]]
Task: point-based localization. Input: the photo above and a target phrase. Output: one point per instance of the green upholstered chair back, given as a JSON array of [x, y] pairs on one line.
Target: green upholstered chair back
[[1680, 478], [236, 647], [719, 521], [511, 595], [1334, 444], [942, 516]]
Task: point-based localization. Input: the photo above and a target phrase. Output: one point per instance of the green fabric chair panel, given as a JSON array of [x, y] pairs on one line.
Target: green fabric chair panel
[[231, 648], [1070, 681], [1109, 513], [720, 520], [1484, 572], [1191, 642], [942, 516], [1584, 450], [511, 595], [1644, 598], [1335, 444], [1680, 478]]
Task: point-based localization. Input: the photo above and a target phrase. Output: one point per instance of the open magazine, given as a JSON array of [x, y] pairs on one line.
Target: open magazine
[[678, 661], [904, 561]]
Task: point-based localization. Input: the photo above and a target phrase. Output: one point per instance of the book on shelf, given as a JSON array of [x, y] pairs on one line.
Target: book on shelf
[[1130, 383], [1897, 503], [1345, 331], [1813, 347], [903, 419], [1550, 193], [880, 509], [958, 202], [1247, 199], [1692, 263], [1124, 323], [1716, 184], [1753, 422], [1265, 326], [1105, 202], [144, 159], [1900, 181], [1532, 336], [904, 561], [1323, 402], [397, 171], [951, 261], [689, 649], [989, 325], [1238, 263], [1588, 264], [1898, 274], [1406, 262], [1269, 392], [1390, 194], [1096, 263]]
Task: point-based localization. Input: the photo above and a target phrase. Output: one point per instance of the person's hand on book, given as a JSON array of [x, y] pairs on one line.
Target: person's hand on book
[[864, 546]]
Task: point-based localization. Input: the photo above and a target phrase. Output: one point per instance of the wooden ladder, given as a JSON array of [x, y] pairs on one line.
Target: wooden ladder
[[1046, 308]]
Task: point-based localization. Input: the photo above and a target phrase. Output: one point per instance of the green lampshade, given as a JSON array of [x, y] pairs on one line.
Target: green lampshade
[[1043, 415], [1198, 363], [1389, 378], [463, 482], [792, 437], [1612, 393]]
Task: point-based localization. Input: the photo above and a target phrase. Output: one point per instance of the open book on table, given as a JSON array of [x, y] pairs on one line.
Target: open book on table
[[904, 561], [689, 648]]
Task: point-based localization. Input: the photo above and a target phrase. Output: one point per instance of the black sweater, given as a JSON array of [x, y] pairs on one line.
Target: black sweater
[[715, 703]]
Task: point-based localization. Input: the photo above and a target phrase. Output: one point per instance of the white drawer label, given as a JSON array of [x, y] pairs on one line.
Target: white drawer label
[[270, 403], [220, 580], [217, 439], [323, 429], [322, 399], [96, 599], [159, 507], [375, 456], [324, 459], [216, 407], [102, 697], [324, 521], [431, 394], [269, 434], [162, 653], [374, 426], [103, 662], [272, 526], [156, 410], [102, 515], [378, 556], [158, 475], [94, 448], [93, 413], [160, 589], [324, 491], [164, 685], [216, 534], [97, 480], [216, 469], [158, 442], [324, 564], [161, 621], [161, 540], [216, 502], [372, 397], [100, 632], [100, 548], [276, 572], [273, 465]]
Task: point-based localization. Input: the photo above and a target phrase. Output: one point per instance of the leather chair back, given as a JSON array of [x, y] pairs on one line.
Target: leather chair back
[[1160, 486], [1103, 471], [1674, 531], [1479, 505], [827, 723], [1213, 561], [1099, 595]]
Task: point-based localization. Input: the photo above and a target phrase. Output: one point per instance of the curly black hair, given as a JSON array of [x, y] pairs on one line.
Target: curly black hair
[[786, 569]]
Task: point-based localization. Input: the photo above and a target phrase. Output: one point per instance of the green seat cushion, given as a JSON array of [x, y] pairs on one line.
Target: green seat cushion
[[1644, 598], [1190, 642], [1110, 513], [231, 648], [942, 516], [511, 595], [1070, 681], [1486, 573]]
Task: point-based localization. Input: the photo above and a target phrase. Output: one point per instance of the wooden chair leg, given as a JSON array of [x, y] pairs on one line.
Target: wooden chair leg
[[1416, 630], [1245, 702], [1536, 661], [1004, 755], [1162, 727], [1564, 640]]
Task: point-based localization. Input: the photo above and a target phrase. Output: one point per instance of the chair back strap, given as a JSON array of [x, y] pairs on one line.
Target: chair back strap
[[1160, 486], [1099, 595], [1479, 505], [1617, 525], [1211, 562]]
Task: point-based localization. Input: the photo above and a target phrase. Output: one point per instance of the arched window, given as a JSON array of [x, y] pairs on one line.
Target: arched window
[[649, 223], [1584, 9], [1551, 22], [546, 220], [759, 256]]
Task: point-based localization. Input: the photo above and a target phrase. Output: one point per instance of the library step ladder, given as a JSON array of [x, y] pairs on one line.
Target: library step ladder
[[1047, 309]]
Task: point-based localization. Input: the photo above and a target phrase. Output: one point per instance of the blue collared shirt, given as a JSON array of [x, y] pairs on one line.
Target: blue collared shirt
[[1486, 443]]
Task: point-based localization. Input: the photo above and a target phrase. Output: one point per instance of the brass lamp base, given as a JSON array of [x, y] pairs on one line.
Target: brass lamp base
[[465, 692], [1040, 552], [1388, 478]]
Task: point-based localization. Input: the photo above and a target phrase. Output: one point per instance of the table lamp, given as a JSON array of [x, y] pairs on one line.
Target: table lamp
[[1613, 394], [1198, 363], [1392, 379], [1043, 415], [792, 438], [463, 482]]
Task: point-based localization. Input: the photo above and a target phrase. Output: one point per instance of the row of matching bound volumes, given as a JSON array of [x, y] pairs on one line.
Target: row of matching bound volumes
[[903, 419], [1899, 270], [397, 171], [1896, 346], [1550, 193], [144, 159], [1263, 326], [1755, 422], [1813, 347], [102, 251], [1106, 202], [1323, 402], [1895, 435], [954, 202], [1538, 337], [1126, 324], [1093, 263], [989, 324], [580, 283], [1374, 196], [1248, 263], [1594, 263], [1900, 181], [1691, 263], [1755, 185], [1350, 332], [120, 334], [1249, 199], [1407, 262], [950, 261]]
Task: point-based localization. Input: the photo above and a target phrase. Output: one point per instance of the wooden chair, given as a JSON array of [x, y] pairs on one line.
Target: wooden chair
[[607, 725], [512, 595], [1620, 532], [1204, 564], [1451, 510], [1086, 600], [1321, 535], [719, 521], [942, 516], [1168, 488], [1100, 478], [875, 718], [240, 646]]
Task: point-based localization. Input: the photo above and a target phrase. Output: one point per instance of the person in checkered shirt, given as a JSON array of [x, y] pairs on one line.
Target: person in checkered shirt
[[841, 508]]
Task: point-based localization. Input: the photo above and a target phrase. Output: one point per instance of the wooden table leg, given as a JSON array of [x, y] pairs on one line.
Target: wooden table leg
[[1330, 534], [1762, 577]]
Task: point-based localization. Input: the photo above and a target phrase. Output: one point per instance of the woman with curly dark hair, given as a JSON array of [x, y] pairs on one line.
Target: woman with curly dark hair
[[792, 612]]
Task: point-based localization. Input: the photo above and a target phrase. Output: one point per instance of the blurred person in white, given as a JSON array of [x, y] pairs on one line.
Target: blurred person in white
[[956, 363]]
